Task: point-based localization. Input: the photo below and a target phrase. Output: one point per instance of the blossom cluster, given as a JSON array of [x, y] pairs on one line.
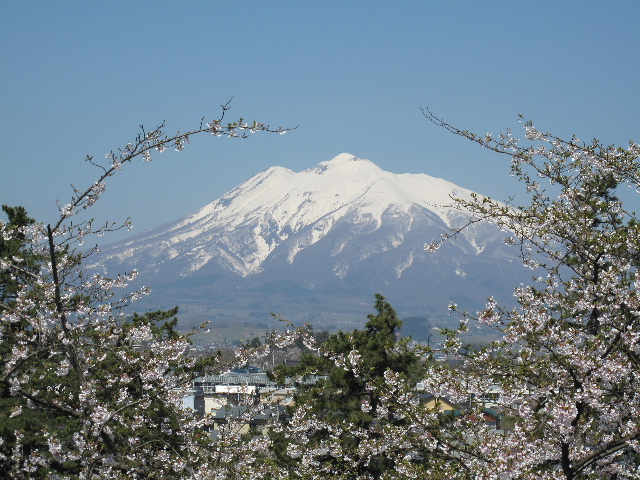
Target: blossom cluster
[[90, 390]]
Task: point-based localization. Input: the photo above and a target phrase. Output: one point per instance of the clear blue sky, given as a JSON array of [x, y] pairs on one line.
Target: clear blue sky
[[78, 78]]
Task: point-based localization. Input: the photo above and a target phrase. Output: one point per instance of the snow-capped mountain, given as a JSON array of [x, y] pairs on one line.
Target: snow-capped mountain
[[344, 229]]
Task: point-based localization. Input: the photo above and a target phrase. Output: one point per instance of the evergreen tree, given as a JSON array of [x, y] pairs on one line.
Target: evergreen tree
[[348, 398], [18, 261]]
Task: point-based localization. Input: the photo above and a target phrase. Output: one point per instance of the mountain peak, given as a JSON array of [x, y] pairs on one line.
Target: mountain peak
[[343, 157], [334, 233], [279, 209], [346, 164]]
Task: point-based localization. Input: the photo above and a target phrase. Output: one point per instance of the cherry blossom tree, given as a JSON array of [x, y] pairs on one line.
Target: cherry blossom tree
[[87, 390], [564, 368], [566, 362]]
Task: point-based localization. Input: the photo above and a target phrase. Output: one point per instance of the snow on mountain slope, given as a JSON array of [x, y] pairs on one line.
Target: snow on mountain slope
[[318, 244], [244, 227]]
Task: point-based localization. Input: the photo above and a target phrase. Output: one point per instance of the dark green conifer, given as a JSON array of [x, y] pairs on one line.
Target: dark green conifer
[[338, 399]]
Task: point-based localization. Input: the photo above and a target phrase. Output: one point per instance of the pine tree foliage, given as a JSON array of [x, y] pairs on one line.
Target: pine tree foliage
[[375, 350], [14, 246], [352, 366]]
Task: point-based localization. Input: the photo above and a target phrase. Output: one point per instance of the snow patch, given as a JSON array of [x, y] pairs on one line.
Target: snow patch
[[401, 267]]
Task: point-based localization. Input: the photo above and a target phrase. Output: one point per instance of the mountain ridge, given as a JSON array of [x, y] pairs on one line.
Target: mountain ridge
[[307, 200], [328, 237]]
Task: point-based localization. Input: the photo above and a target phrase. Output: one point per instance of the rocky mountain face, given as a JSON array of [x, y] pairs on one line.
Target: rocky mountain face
[[317, 245]]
